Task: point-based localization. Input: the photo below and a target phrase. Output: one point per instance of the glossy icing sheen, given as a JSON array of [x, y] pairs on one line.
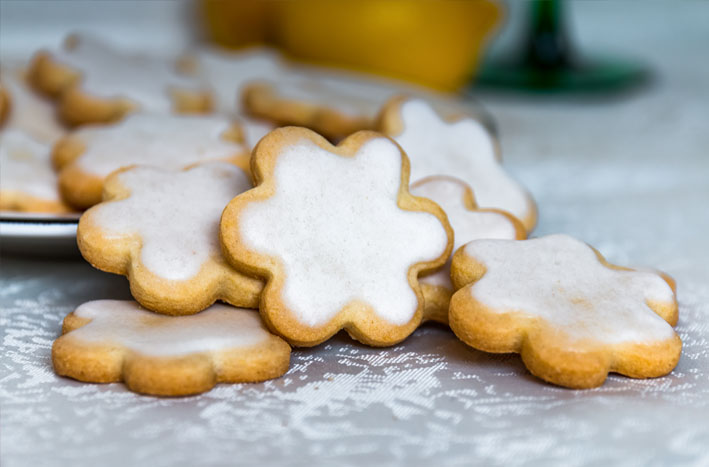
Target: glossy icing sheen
[[336, 228], [29, 112], [175, 213], [169, 141], [125, 323], [560, 280], [468, 225], [25, 165], [462, 149], [109, 73]]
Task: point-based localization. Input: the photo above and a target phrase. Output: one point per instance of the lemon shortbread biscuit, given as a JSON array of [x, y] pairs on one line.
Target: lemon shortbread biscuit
[[337, 235], [96, 83], [462, 148], [572, 316], [107, 341], [469, 223], [160, 228], [87, 156]]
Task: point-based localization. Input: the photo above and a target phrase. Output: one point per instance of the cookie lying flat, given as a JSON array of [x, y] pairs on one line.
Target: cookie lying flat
[[160, 228], [26, 110], [460, 148], [85, 157], [571, 315], [337, 235], [27, 181], [107, 341], [469, 223], [96, 83]]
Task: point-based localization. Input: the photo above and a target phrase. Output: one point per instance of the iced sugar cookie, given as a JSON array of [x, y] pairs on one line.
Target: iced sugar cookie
[[571, 315], [85, 157], [96, 83], [28, 111], [108, 341], [460, 148], [27, 181], [160, 228], [469, 223], [337, 236]]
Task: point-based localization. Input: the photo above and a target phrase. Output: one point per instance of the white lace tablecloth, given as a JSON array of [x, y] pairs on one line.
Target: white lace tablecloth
[[628, 175]]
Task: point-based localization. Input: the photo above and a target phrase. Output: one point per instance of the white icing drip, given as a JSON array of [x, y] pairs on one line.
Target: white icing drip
[[109, 73], [467, 225], [227, 73], [461, 149], [176, 214], [560, 280], [29, 112], [25, 166], [169, 141], [335, 225], [125, 323]]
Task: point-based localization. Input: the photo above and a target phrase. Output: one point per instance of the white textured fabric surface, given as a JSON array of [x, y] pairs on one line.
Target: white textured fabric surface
[[630, 176]]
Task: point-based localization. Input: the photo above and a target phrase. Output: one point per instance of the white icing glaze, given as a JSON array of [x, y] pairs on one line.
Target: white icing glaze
[[227, 73], [461, 149], [109, 73], [468, 225], [125, 323], [170, 141], [335, 226], [25, 165], [29, 112], [560, 280], [175, 213]]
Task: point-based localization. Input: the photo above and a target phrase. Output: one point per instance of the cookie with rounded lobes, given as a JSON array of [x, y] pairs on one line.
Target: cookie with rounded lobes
[[106, 341], [337, 236], [469, 223], [460, 147], [85, 157], [26, 110], [95, 83], [571, 315], [27, 181], [160, 228]]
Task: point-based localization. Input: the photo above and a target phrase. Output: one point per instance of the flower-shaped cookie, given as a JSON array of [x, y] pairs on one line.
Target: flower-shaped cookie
[[469, 223], [87, 156], [337, 235], [96, 83], [571, 315], [460, 148], [107, 341], [27, 181], [160, 228]]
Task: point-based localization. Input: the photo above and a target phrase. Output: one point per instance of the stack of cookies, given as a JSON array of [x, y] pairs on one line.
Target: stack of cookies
[[248, 231]]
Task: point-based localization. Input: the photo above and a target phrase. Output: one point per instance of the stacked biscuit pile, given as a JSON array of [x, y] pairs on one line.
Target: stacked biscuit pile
[[197, 201]]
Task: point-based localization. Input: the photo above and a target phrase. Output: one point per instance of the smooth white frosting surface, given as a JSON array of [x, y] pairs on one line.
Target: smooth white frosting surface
[[169, 141], [125, 323], [175, 213], [28, 111], [468, 225], [462, 149], [335, 226], [25, 165], [108, 73], [560, 280]]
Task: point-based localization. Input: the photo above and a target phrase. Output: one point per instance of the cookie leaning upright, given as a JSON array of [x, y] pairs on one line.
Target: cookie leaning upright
[[337, 236], [572, 316], [460, 147], [87, 156], [160, 228], [96, 83]]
